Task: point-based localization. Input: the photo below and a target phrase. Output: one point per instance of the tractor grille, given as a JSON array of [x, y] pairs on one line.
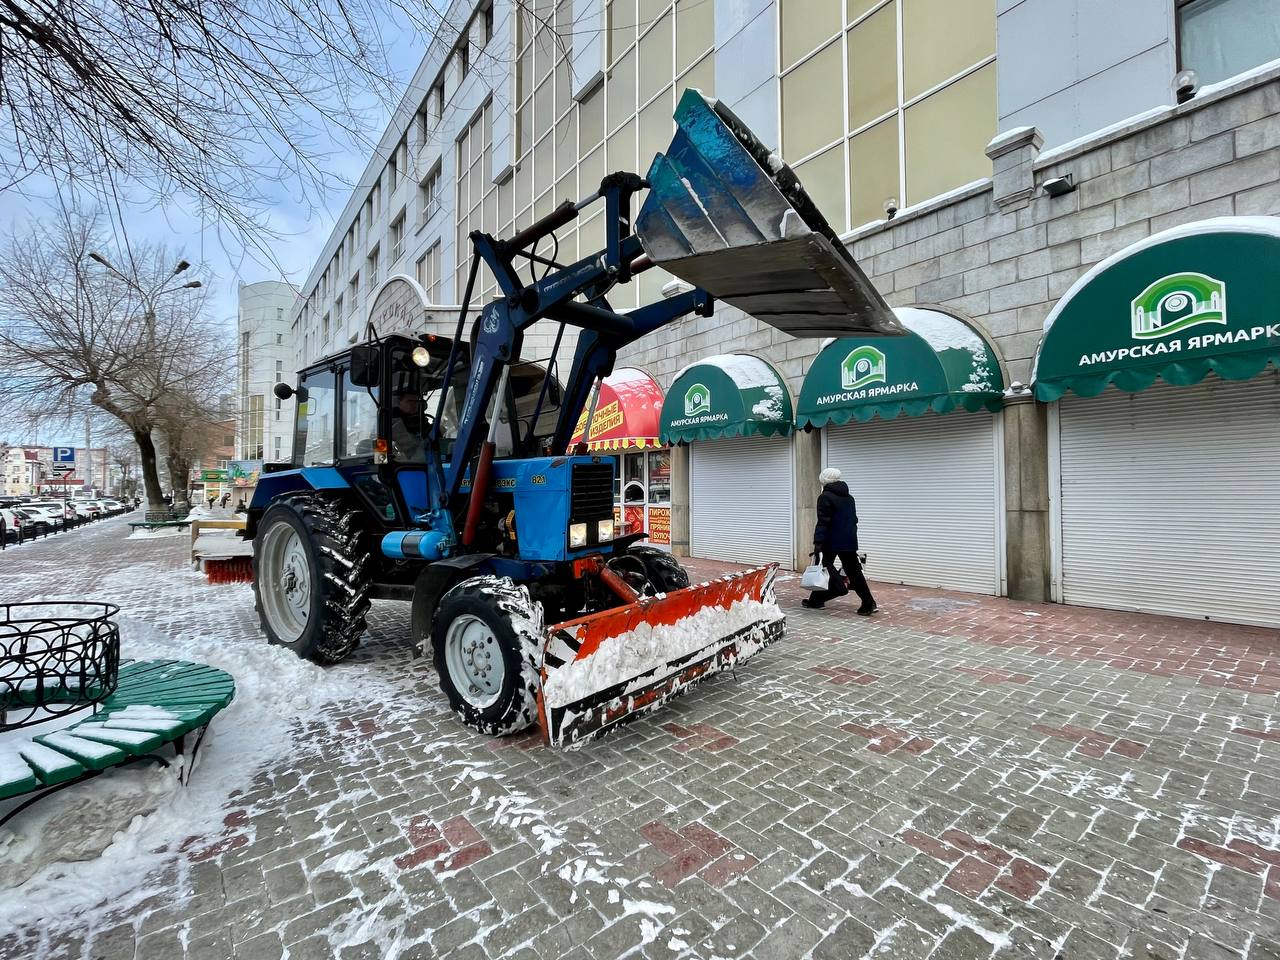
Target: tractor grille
[[591, 496]]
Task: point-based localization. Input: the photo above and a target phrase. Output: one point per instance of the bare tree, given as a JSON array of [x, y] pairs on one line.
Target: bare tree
[[220, 102], [124, 458], [76, 332], [189, 417]]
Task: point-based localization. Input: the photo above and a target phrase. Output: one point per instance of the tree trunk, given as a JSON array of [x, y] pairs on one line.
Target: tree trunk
[[150, 469], [180, 477]]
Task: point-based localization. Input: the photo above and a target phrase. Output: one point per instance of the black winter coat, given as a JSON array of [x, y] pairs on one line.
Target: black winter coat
[[837, 527]]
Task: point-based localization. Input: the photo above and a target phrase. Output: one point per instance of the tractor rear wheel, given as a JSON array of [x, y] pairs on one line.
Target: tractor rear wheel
[[487, 641], [311, 576]]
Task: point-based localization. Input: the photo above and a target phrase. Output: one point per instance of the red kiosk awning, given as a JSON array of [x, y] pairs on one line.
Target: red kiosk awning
[[626, 415]]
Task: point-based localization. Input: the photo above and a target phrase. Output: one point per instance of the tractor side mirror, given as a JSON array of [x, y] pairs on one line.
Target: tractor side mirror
[[282, 391], [364, 366]]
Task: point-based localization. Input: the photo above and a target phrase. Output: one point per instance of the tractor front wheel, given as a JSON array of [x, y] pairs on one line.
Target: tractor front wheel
[[311, 576], [487, 642]]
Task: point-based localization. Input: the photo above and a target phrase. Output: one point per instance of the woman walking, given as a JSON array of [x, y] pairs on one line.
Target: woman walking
[[836, 535]]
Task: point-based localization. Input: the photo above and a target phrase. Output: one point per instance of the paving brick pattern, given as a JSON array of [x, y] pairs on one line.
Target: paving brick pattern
[[955, 777]]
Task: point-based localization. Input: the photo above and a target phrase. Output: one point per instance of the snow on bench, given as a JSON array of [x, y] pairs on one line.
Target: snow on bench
[[156, 702]]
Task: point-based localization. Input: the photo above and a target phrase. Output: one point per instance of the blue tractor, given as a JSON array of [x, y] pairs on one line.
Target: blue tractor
[[438, 470]]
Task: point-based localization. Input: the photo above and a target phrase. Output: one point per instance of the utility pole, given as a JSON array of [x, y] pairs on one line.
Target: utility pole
[[88, 451]]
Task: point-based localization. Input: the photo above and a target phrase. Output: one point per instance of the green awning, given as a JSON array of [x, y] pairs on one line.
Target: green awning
[[1200, 297], [732, 395], [940, 364]]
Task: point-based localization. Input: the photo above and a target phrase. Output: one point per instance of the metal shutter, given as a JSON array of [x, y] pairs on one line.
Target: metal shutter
[[927, 490], [1170, 500], [742, 500]]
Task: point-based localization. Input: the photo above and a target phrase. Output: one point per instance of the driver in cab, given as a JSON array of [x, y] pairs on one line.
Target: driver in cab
[[407, 427]]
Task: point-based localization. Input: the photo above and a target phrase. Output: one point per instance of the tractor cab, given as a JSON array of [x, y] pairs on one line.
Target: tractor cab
[[378, 403]]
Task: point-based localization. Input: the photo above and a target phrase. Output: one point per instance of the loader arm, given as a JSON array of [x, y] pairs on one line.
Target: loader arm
[[502, 322]]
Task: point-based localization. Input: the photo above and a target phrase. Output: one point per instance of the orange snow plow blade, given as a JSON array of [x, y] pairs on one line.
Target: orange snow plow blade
[[604, 669]]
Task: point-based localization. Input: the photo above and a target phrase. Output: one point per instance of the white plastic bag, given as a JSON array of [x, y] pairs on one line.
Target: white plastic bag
[[815, 577]]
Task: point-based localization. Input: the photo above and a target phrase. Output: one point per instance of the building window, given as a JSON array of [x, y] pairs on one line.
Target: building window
[[325, 327], [279, 339], [253, 442], [393, 171], [918, 78], [487, 19], [279, 313], [337, 313], [371, 266], [397, 239], [429, 196], [1220, 39], [474, 153], [279, 370], [427, 273], [464, 59]]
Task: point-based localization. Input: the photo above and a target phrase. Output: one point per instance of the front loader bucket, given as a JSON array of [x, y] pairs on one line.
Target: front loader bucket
[[606, 668], [727, 215]]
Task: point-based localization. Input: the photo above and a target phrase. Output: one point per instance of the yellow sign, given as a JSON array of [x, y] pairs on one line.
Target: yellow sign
[[608, 417], [660, 525]]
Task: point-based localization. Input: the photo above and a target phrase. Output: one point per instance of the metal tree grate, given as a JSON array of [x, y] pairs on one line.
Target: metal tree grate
[[55, 658]]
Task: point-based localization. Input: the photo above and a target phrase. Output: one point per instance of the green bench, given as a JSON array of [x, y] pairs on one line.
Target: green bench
[[156, 519], [156, 702]]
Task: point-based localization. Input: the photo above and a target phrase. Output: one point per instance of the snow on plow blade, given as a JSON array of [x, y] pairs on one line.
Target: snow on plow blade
[[726, 214], [606, 668]]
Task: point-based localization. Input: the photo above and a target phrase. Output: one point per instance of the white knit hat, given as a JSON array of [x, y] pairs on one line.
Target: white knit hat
[[829, 475]]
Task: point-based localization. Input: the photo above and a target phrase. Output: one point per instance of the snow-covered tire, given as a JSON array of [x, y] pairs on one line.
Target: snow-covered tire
[[662, 569], [487, 644], [320, 539]]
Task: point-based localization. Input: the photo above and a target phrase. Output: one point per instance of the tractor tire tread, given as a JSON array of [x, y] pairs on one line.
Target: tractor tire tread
[[343, 560]]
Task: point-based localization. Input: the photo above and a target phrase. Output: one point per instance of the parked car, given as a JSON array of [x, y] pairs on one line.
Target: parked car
[[34, 521], [60, 508], [55, 513], [13, 522], [89, 508]]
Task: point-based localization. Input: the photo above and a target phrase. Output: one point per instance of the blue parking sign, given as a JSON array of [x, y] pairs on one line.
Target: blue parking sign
[[64, 454]]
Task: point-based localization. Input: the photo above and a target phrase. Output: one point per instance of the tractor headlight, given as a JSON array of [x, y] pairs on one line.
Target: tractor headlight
[[604, 530], [577, 535]]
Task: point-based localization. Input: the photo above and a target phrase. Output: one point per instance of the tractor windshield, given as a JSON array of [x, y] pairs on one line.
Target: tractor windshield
[[415, 397]]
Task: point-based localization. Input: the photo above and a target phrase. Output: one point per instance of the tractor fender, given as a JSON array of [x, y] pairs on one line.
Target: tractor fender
[[435, 580], [278, 483]]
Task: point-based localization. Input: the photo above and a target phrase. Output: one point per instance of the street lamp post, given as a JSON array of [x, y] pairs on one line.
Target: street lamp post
[[148, 301]]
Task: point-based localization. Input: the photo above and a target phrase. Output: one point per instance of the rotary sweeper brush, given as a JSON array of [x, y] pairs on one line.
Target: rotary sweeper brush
[[438, 470]]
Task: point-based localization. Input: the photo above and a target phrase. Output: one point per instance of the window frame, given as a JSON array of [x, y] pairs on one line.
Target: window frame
[[897, 114]]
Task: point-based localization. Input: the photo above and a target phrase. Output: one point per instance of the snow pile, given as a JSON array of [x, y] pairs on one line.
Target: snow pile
[[159, 533], [744, 370], [770, 408], [221, 544], [648, 647], [96, 842]]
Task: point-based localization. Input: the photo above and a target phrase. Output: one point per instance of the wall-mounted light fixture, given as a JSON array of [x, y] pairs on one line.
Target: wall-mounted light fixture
[[1186, 85], [1058, 186], [890, 208]]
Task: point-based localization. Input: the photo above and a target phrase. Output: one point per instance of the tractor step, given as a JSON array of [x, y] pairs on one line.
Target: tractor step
[[604, 669], [728, 215]]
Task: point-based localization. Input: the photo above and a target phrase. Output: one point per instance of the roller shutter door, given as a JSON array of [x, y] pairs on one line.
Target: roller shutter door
[[1170, 500], [742, 500], [926, 489]]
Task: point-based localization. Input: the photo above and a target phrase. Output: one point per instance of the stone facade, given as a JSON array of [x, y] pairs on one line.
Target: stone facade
[[1000, 253]]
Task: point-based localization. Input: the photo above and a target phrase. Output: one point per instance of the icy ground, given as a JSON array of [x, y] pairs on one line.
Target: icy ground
[[956, 778]]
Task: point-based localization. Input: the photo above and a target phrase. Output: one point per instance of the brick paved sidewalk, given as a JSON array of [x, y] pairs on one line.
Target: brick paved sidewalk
[[955, 777]]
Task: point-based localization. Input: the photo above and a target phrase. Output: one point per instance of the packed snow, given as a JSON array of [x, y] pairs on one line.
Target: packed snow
[[744, 370], [647, 647]]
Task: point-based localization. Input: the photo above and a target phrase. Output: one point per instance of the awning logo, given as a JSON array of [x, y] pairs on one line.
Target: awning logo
[[697, 399], [864, 365], [1176, 302]]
